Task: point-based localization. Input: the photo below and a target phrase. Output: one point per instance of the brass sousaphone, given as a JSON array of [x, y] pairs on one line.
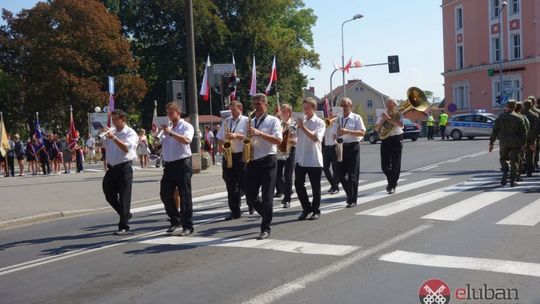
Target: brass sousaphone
[[416, 100]]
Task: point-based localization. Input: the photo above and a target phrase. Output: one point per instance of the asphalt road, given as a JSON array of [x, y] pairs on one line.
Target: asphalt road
[[449, 219]]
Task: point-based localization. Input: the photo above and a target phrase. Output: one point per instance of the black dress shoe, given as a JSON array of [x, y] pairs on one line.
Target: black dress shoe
[[303, 215], [529, 174], [333, 191], [232, 217], [286, 205], [130, 216], [263, 235], [186, 231], [121, 232], [351, 205], [315, 216], [251, 210], [172, 228]]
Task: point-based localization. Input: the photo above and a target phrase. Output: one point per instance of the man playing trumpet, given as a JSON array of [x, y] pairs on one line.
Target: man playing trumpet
[[233, 132], [121, 144]]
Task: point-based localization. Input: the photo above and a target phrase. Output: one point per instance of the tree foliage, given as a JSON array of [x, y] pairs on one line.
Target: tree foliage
[[60, 54]]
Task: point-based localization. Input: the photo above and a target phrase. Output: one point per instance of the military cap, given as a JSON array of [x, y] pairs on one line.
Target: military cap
[[511, 104], [532, 98]]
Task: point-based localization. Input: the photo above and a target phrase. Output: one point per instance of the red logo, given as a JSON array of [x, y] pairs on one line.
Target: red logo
[[434, 291]]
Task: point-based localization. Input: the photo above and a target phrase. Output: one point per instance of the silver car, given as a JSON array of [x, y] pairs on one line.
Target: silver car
[[470, 125]]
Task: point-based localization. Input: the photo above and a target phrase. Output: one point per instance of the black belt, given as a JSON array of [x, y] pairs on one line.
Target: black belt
[[350, 144], [393, 137], [263, 159], [119, 165], [176, 162]]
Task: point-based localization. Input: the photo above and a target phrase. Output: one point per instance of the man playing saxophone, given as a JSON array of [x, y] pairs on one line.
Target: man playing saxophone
[[350, 129], [285, 156], [261, 170], [391, 146], [233, 132]]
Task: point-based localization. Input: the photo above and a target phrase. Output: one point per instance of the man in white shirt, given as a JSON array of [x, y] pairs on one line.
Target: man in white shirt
[[234, 177], [177, 171], [285, 161], [91, 148], [261, 170], [351, 128], [121, 143], [309, 159], [391, 146], [329, 156]]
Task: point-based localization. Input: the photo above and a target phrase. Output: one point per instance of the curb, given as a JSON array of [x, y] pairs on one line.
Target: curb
[[23, 221]]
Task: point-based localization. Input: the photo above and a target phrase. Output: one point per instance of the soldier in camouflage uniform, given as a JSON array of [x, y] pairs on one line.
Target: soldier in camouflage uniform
[[536, 109], [534, 122], [510, 129], [519, 109]]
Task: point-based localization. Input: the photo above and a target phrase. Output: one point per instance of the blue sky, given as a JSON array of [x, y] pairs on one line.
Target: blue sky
[[410, 29]]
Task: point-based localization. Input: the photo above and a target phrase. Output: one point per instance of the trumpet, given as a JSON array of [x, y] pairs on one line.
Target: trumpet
[[103, 134], [329, 121], [227, 147], [247, 149], [160, 134]]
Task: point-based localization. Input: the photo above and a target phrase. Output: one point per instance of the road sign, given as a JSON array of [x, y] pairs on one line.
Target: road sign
[[512, 89], [452, 107], [223, 68]]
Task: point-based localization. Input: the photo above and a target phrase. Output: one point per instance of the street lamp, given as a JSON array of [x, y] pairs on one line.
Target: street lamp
[[501, 58], [357, 16]]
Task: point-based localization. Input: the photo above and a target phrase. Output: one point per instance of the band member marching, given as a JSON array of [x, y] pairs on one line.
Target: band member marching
[[351, 129], [309, 159], [121, 144], [230, 138], [329, 153], [391, 146], [177, 170], [285, 156], [265, 132]]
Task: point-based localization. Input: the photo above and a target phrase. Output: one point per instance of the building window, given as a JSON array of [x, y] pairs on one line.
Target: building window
[[495, 4], [495, 49], [514, 6], [461, 96], [370, 119], [459, 18], [459, 57], [370, 103], [515, 39]]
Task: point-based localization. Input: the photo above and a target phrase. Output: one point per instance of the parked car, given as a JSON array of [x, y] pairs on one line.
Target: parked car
[[470, 125], [411, 131]]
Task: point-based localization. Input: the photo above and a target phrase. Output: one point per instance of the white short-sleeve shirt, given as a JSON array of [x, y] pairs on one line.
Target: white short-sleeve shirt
[[115, 155], [171, 148], [396, 130], [237, 126], [309, 153], [270, 125], [352, 122]]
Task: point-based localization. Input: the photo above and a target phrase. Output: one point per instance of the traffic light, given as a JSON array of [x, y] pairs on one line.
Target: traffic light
[[229, 85], [393, 64]]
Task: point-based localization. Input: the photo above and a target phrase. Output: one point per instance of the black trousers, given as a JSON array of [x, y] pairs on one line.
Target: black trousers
[[314, 174], [45, 165], [261, 173], [79, 160], [430, 132], [177, 174], [443, 132], [234, 180], [391, 149], [284, 173], [349, 170], [117, 185], [11, 165], [330, 159]]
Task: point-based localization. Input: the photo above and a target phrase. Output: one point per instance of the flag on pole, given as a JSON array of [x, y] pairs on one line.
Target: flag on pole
[[233, 94], [111, 85], [273, 76], [326, 108], [336, 66], [3, 135], [72, 130], [39, 135], [358, 64], [253, 85], [205, 85], [348, 65]]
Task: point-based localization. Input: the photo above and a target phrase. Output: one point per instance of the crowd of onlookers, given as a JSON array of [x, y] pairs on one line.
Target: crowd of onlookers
[[55, 155]]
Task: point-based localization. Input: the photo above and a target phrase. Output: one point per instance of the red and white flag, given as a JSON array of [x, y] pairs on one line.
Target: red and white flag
[[273, 76], [358, 64], [253, 85], [336, 66], [205, 86], [348, 65]]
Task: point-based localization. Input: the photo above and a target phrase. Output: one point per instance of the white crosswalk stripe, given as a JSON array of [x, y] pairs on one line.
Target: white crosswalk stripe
[[526, 216], [408, 187]]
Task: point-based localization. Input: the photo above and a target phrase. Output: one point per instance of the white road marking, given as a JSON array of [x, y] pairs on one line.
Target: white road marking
[[470, 205], [468, 263], [400, 189], [268, 244], [421, 199], [297, 284], [526, 216]]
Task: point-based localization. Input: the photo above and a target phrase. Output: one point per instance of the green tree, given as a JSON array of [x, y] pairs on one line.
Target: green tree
[[63, 51]]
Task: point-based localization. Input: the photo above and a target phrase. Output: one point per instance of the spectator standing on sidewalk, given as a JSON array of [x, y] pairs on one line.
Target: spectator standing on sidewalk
[[31, 155], [19, 153], [91, 149]]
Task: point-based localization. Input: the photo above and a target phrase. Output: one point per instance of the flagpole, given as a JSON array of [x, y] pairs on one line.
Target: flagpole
[[211, 115]]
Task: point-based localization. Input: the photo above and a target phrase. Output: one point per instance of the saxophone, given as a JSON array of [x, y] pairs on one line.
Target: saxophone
[[227, 147], [247, 151]]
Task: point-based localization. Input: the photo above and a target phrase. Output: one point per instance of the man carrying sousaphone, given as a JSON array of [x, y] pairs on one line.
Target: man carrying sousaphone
[[265, 135], [230, 137]]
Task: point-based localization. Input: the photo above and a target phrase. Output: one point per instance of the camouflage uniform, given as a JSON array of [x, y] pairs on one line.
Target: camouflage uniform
[[510, 129], [519, 109], [534, 122], [537, 140]]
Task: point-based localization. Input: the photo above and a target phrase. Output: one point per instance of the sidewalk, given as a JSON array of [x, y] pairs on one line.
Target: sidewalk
[[33, 198]]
